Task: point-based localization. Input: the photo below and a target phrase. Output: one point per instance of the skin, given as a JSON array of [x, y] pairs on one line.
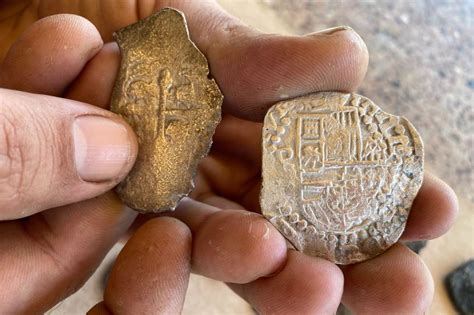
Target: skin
[[58, 241]]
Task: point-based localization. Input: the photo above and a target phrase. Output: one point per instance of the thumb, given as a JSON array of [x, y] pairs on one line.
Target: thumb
[[55, 152]]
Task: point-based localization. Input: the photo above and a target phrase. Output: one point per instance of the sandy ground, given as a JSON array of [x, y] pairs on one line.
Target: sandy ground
[[421, 67]]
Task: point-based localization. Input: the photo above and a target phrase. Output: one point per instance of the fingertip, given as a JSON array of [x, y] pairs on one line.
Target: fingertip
[[396, 282], [434, 210], [258, 70], [50, 54], [351, 67], [165, 227], [447, 199], [70, 27], [95, 83], [324, 274], [237, 246], [419, 293], [151, 273], [306, 285]]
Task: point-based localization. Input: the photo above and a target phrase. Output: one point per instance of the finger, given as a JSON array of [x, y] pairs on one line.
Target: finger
[[241, 139], [227, 176], [306, 285], [100, 72], [56, 251], [397, 282], [55, 152], [255, 70], [233, 169], [50, 54], [222, 238], [288, 283], [151, 273], [433, 212]]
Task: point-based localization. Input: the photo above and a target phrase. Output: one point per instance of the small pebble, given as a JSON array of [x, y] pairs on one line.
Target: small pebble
[[460, 286]]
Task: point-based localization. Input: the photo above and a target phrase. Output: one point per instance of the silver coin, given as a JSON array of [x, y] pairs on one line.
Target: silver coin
[[339, 175]]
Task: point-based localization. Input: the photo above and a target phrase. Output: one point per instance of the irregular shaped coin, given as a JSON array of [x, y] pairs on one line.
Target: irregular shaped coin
[[164, 93], [339, 175]]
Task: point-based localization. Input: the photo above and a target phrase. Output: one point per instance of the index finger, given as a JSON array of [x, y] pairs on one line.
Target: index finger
[[151, 273], [433, 212]]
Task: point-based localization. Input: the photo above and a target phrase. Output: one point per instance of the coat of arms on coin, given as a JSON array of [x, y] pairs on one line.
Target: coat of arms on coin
[[164, 93], [339, 175]]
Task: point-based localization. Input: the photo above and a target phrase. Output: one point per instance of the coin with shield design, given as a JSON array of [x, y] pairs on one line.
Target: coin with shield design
[[339, 175]]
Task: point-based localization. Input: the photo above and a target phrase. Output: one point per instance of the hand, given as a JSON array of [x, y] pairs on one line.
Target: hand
[[64, 56]]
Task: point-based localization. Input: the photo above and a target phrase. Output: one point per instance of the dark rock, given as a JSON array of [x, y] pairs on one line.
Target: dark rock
[[395, 83], [470, 84], [460, 286], [416, 246]]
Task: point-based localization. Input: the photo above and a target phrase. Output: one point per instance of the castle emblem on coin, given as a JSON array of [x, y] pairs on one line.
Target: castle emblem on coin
[[339, 175]]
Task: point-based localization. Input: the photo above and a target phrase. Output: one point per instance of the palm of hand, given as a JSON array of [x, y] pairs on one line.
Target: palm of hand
[[234, 246]]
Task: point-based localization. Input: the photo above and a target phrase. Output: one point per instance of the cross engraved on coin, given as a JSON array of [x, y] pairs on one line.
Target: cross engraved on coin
[[164, 93], [339, 175]]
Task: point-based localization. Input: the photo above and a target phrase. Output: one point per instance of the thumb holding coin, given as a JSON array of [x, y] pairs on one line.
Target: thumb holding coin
[[78, 150]]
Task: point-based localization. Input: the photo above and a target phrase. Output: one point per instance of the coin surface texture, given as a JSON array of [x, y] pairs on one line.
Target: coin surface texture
[[164, 93], [339, 175]]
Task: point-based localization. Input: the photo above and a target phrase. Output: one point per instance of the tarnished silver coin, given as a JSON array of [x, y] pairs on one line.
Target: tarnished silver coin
[[339, 175]]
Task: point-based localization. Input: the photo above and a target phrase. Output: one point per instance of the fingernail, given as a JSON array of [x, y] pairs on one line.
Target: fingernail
[[102, 148], [332, 30]]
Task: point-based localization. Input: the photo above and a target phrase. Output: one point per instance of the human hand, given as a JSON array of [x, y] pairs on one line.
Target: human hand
[[55, 155], [221, 238]]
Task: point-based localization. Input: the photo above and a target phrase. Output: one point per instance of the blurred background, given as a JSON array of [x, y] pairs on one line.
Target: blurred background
[[421, 67]]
